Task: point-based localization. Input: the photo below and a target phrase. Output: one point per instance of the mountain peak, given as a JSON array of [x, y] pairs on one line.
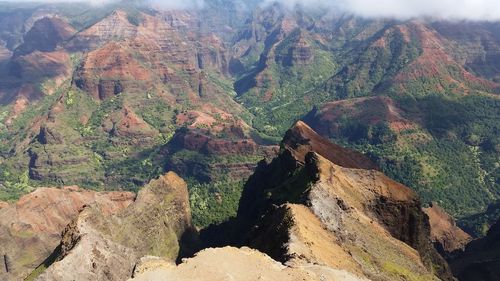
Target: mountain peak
[[301, 139]]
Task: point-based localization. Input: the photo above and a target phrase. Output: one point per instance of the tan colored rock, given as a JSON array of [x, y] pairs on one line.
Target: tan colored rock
[[150, 263], [30, 229], [99, 247], [243, 265], [320, 203]]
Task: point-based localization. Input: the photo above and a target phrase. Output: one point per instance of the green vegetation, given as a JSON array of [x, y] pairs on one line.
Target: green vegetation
[[214, 191], [283, 97], [455, 163], [214, 203], [479, 224]]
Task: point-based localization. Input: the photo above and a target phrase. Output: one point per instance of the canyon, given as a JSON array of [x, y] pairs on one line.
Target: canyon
[[145, 143]]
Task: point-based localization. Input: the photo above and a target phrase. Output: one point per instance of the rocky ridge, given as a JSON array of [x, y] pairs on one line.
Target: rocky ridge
[[335, 189], [30, 229], [445, 234], [98, 246]]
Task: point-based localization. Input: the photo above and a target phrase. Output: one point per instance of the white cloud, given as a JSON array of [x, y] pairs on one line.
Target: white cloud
[[166, 4], [401, 9], [177, 4], [404, 9]]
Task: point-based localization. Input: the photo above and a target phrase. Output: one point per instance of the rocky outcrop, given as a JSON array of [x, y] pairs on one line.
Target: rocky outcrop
[[481, 259], [301, 139], [299, 53], [236, 154], [127, 124], [100, 247], [364, 221], [242, 264], [30, 229], [445, 234], [109, 70]]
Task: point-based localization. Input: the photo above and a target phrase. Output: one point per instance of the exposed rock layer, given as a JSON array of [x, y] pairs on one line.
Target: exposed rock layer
[[31, 228], [375, 224], [100, 247], [445, 234]]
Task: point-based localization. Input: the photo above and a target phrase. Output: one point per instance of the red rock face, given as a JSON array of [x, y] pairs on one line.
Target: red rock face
[[108, 71], [301, 139], [444, 231], [156, 52], [300, 53], [30, 229], [128, 124], [436, 62]]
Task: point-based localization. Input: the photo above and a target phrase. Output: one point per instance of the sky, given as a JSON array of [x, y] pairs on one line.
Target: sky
[[401, 9]]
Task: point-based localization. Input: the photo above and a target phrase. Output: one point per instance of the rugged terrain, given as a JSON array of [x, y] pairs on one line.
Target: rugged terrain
[[31, 228], [99, 79], [314, 203], [445, 234], [110, 97], [99, 246]]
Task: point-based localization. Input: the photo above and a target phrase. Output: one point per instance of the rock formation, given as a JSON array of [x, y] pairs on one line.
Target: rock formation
[[239, 264], [323, 204], [31, 228], [445, 234], [99, 247]]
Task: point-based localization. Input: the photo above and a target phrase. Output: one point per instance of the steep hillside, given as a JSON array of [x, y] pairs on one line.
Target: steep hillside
[[314, 204], [99, 246], [31, 228], [94, 94], [445, 234], [438, 146], [138, 83]]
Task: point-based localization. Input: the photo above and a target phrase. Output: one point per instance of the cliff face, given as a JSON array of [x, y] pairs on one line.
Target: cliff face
[[31, 228], [374, 225], [481, 259], [96, 246], [445, 234]]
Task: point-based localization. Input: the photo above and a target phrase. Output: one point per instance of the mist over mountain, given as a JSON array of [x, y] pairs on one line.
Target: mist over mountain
[[478, 10]]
